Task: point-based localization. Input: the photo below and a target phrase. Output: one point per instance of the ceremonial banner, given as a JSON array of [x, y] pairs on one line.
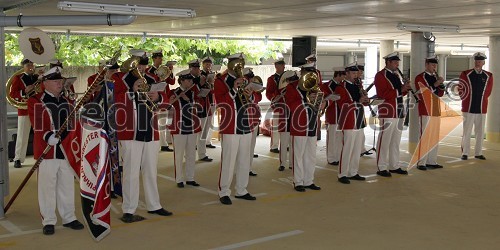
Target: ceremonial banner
[[95, 175]]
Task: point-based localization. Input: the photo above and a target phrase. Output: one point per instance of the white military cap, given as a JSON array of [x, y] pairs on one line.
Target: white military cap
[[194, 63], [171, 62], [308, 65], [236, 56], [479, 56], [207, 59], [341, 69], [138, 52], [392, 56], [185, 74]]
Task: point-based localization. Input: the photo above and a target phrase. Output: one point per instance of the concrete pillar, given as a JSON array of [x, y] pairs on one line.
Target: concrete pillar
[[371, 67], [493, 115], [417, 65], [350, 57], [386, 47], [442, 65], [4, 165]]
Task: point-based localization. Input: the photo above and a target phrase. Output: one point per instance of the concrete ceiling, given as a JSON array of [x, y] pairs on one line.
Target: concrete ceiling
[[331, 20]]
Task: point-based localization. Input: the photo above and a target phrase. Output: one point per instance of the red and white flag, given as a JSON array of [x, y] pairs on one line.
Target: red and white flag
[[95, 175]]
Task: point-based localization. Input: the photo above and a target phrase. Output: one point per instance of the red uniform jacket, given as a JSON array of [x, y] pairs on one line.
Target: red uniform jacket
[[207, 101], [388, 85], [171, 79], [331, 106], [428, 95], [303, 119], [234, 114], [133, 119], [18, 87], [47, 113], [474, 90], [352, 114], [185, 118], [277, 98], [254, 110]]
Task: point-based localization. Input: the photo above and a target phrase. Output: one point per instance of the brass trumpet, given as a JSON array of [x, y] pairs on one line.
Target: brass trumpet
[[130, 65]]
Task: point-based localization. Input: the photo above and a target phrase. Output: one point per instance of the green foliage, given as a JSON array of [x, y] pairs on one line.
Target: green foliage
[[88, 50]]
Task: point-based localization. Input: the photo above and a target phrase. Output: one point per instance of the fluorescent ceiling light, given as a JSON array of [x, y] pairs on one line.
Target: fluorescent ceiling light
[[463, 52], [428, 27], [124, 9]]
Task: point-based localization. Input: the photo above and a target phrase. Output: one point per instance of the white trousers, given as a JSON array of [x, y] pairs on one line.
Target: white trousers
[[429, 140], [478, 120], [235, 159], [303, 153], [205, 137], [252, 145], [363, 140], [185, 147], [388, 143], [275, 135], [285, 156], [351, 151], [165, 136], [23, 134], [333, 143], [139, 157], [56, 187]]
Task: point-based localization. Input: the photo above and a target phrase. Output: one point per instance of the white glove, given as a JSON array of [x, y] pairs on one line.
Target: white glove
[[53, 140]]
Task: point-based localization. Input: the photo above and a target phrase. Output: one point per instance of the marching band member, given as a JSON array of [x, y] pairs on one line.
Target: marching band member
[[312, 59], [278, 120], [334, 134], [157, 57], [185, 127], [231, 95], [303, 126], [474, 89], [254, 114], [391, 112], [22, 84], [351, 121], [209, 102], [47, 112], [138, 135], [204, 111], [430, 88]]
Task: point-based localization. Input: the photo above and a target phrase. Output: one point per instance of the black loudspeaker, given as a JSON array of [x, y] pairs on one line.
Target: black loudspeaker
[[301, 48]]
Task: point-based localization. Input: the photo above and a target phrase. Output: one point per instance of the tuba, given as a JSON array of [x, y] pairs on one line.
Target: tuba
[[237, 66], [130, 65], [309, 82], [21, 104]]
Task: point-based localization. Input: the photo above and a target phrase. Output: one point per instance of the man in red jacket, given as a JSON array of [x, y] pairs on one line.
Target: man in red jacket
[[430, 88], [474, 89], [275, 94], [235, 128], [351, 121], [137, 130], [21, 84], [47, 112], [334, 135], [303, 126], [391, 113]]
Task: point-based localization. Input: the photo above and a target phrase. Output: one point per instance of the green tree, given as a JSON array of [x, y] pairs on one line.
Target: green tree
[[88, 50]]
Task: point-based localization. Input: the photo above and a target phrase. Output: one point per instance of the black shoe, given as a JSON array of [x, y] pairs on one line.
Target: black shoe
[[300, 188], [252, 173], [180, 184], [281, 168], [289, 167], [313, 187], [434, 166], [192, 183], [399, 171], [247, 197], [75, 225], [384, 173], [48, 229], [255, 156], [225, 200], [274, 150], [464, 157], [211, 146], [287, 149], [166, 149], [206, 159], [17, 164], [422, 167], [344, 180], [113, 195], [480, 157], [357, 177], [130, 218], [161, 212], [366, 153]]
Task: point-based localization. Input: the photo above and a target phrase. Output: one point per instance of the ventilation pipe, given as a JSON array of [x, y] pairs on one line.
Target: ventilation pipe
[[79, 20]]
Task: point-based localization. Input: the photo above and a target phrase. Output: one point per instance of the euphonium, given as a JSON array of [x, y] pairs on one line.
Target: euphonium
[[22, 104], [237, 66], [308, 82]]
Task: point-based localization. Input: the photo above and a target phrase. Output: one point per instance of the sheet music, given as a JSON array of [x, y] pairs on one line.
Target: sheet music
[[255, 86], [158, 87]]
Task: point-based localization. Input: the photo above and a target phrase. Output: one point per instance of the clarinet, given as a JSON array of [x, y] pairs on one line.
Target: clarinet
[[411, 89]]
